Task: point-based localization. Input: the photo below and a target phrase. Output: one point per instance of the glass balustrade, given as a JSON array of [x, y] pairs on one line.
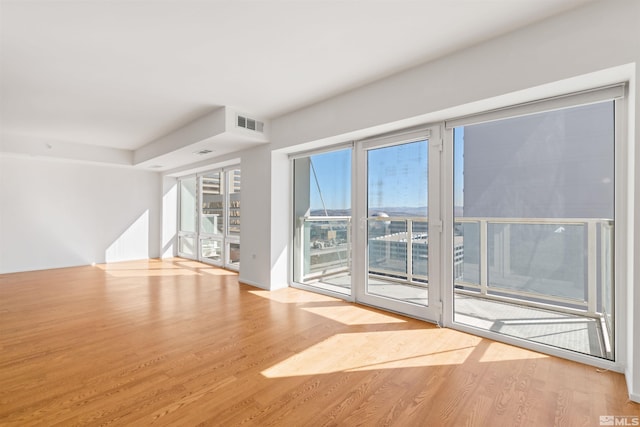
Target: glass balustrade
[[324, 255]]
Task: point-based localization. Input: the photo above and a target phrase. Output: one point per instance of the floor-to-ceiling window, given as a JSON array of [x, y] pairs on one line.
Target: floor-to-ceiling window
[[232, 236], [209, 217], [212, 217], [528, 198], [534, 225], [387, 264], [322, 220], [187, 217]]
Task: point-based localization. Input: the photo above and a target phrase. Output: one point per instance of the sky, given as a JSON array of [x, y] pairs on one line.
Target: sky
[[333, 174], [397, 176]]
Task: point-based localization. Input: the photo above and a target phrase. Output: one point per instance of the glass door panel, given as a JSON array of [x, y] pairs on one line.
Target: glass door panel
[[397, 191], [396, 229]]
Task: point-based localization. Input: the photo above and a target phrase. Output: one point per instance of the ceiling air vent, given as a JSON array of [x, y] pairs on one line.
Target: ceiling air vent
[[202, 152], [250, 124]]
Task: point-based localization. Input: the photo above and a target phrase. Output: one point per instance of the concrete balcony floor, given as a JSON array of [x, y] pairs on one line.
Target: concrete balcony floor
[[573, 332]]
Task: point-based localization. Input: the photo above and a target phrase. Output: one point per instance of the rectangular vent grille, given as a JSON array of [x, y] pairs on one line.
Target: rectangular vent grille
[[250, 124]]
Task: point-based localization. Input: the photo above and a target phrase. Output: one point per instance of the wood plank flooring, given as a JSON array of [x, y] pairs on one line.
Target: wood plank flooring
[[177, 342]]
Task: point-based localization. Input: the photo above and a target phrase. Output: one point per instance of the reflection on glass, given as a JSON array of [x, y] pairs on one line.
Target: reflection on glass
[[188, 204], [420, 250], [234, 254], [397, 226], [211, 249], [545, 259], [466, 259], [186, 245], [388, 248], [234, 202], [533, 206], [212, 218]]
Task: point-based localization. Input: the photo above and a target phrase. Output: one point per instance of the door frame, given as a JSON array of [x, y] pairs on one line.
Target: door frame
[[187, 234], [433, 311]]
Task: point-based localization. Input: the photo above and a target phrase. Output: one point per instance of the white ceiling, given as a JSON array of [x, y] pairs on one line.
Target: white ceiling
[[123, 73]]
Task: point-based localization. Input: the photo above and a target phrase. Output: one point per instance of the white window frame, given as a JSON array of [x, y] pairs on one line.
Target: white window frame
[[189, 234], [623, 170], [294, 242], [623, 212], [224, 238]]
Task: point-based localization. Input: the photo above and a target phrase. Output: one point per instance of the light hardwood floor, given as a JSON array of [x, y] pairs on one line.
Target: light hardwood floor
[[181, 343]]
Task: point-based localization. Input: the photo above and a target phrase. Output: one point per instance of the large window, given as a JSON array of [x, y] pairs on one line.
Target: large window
[[210, 217], [187, 231], [322, 216], [534, 220], [500, 223], [232, 238]]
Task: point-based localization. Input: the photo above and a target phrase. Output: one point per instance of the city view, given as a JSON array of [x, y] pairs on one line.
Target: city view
[[532, 227]]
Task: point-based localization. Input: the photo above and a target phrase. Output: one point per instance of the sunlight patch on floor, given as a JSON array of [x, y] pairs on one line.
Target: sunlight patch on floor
[[162, 268], [136, 265], [217, 272], [291, 295], [497, 352], [365, 351], [194, 264], [352, 315], [153, 273]]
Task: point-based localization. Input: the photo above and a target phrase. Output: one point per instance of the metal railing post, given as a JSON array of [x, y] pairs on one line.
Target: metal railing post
[[409, 250], [484, 257], [349, 244], [592, 259]]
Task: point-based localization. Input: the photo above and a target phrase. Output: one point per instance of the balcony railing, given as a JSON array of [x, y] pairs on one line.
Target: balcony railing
[[566, 264], [323, 247], [398, 249]]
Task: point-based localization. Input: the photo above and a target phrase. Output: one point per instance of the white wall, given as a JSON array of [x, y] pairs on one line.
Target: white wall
[[594, 45], [58, 214], [255, 199], [598, 36], [169, 217], [281, 217]]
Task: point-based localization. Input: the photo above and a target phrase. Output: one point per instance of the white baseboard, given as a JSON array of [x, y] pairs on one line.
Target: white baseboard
[[252, 283]]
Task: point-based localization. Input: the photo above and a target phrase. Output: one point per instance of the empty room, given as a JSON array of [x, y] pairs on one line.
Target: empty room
[[319, 212]]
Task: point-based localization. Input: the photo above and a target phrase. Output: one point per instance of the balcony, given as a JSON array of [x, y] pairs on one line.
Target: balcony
[[549, 280]]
